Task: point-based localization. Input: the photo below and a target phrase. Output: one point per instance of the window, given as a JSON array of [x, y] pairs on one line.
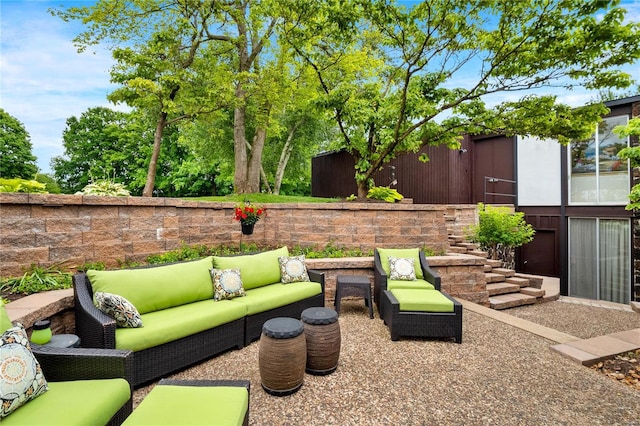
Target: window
[[600, 259], [597, 175]]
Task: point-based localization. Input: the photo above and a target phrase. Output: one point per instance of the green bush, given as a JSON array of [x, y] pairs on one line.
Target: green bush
[[37, 279], [21, 185], [105, 187], [384, 193], [499, 226]]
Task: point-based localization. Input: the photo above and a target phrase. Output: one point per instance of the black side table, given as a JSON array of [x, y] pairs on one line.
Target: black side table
[[353, 285]]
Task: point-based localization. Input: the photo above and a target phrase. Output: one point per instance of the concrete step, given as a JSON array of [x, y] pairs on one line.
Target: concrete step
[[506, 301], [531, 291], [449, 218], [534, 280], [504, 271], [456, 249], [502, 288], [494, 263], [456, 238], [490, 277], [522, 282], [488, 268], [478, 253], [468, 246]]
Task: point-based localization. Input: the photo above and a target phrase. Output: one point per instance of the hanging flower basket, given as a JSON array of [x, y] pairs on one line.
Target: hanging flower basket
[[248, 214], [247, 228]]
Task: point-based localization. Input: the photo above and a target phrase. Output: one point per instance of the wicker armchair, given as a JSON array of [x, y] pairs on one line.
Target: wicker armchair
[[380, 278], [67, 364]]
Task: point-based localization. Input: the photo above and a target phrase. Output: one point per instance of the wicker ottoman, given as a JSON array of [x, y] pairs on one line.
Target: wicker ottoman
[[282, 356], [322, 331]]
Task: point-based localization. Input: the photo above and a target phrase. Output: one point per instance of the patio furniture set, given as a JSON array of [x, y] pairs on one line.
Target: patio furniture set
[[137, 325]]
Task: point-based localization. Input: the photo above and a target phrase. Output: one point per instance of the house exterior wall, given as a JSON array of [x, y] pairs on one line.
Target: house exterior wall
[[538, 172]]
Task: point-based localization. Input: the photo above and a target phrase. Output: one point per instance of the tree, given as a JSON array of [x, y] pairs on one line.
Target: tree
[[631, 153], [16, 158], [399, 78]]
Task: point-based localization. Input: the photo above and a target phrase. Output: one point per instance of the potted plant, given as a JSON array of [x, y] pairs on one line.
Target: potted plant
[[248, 214]]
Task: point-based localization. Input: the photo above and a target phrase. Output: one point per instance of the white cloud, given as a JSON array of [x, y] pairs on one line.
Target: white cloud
[[44, 79]]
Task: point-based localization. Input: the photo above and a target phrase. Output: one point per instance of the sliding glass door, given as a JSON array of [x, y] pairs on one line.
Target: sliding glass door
[[600, 259]]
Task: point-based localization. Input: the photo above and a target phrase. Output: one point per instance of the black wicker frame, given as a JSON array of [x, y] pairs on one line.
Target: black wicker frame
[[67, 364], [238, 383], [380, 279], [422, 324], [97, 330]]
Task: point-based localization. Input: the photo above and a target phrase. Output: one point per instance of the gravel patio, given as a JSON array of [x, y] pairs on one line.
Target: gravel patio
[[499, 375]]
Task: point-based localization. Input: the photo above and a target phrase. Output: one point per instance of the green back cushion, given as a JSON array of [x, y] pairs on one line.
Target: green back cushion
[[412, 253], [61, 405], [192, 405], [256, 270], [5, 322], [412, 300], [160, 287]]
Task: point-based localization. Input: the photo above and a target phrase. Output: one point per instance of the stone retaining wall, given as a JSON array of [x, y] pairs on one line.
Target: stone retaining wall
[[462, 276], [47, 229]]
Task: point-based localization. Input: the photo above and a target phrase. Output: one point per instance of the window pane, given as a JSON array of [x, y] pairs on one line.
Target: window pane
[[614, 172], [583, 265], [614, 260], [583, 171]]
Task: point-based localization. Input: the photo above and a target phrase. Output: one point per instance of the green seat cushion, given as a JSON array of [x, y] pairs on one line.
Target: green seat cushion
[[79, 402], [256, 270], [417, 284], [5, 322], [412, 300], [411, 253], [159, 287], [191, 405], [172, 324], [262, 299]]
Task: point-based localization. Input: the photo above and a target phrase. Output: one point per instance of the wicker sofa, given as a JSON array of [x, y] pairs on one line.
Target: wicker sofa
[[183, 324]]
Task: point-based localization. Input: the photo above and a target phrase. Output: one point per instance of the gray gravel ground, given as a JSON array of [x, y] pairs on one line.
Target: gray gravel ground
[[499, 375]]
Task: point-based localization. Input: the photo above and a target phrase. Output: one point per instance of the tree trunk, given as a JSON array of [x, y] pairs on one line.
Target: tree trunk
[[240, 144], [284, 158], [255, 162], [153, 163], [362, 190]]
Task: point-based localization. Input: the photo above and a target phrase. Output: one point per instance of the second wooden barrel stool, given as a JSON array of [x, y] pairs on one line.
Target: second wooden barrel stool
[[282, 356], [322, 330]]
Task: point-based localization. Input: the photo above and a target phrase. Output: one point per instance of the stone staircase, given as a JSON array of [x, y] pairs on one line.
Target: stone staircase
[[506, 288]]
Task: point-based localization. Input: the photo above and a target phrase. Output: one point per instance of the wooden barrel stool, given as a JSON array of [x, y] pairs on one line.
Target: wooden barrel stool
[[282, 356], [322, 331]]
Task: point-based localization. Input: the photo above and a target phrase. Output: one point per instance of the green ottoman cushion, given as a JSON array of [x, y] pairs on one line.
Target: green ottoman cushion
[[412, 300], [191, 405]]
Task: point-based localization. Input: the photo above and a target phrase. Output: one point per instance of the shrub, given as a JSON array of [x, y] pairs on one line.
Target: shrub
[[105, 187], [384, 193], [21, 185]]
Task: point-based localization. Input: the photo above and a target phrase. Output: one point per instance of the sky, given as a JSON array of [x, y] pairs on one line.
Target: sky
[[44, 80]]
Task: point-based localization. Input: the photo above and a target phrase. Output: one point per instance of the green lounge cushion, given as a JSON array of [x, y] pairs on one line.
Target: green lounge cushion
[[5, 322], [413, 253], [79, 402], [412, 300], [191, 405], [417, 284], [172, 324], [256, 270], [262, 299], [160, 287]]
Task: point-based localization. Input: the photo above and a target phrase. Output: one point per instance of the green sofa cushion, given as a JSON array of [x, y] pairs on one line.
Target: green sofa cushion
[[5, 322], [411, 253], [172, 324], [160, 287], [262, 299], [412, 300], [79, 402], [191, 405], [256, 270], [417, 284]]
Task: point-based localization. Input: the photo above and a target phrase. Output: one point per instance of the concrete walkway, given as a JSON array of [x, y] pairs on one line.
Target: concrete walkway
[[583, 351]]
